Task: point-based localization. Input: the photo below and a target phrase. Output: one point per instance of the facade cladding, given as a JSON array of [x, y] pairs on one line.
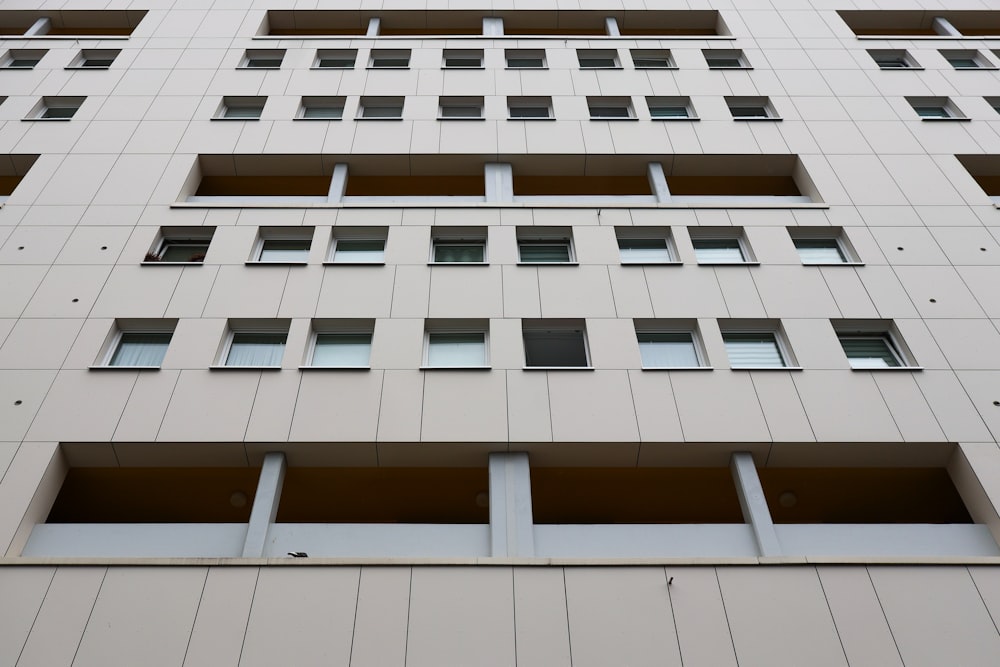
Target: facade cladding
[[553, 334]]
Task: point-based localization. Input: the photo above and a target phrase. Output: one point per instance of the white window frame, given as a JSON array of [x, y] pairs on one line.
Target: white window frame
[[389, 54], [297, 234], [269, 54], [525, 54], [470, 236], [736, 54], [484, 332], [520, 102], [357, 236], [120, 331], [345, 54], [342, 329], [556, 327], [722, 234], [229, 103], [85, 55], [701, 357], [532, 236], [884, 330], [788, 361], [834, 235], [653, 54], [452, 101], [647, 234], [615, 57], [623, 103], [238, 330], [463, 54], [321, 102]]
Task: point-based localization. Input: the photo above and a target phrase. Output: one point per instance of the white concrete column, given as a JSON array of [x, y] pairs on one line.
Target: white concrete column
[[40, 27], [374, 25], [943, 27], [492, 26], [499, 182], [611, 27], [658, 182], [511, 523], [338, 183], [753, 503], [265, 504]]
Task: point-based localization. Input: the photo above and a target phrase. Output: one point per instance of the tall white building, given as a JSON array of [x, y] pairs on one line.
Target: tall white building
[[515, 333]]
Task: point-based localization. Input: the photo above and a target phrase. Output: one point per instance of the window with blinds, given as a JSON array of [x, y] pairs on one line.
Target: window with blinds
[[753, 349], [870, 351]]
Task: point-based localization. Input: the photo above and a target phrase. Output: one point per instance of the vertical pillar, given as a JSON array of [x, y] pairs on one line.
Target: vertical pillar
[[511, 523], [753, 504], [658, 182], [492, 26], [499, 182], [265, 504], [943, 27], [611, 27], [40, 27], [374, 25], [338, 184]]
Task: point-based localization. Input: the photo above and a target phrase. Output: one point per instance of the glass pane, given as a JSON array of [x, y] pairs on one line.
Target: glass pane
[[337, 63], [141, 349], [529, 112], [390, 62], [555, 348], [59, 112], [669, 112], [718, 251], [662, 350], [463, 62], [456, 111], [97, 62], [382, 112], [525, 63], [371, 251], [242, 112], [274, 250], [459, 252], [183, 252], [891, 62], [963, 63], [819, 251], [323, 112], [597, 62], [749, 112], [609, 112], [24, 62], [869, 352], [642, 62], [932, 111], [456, 349], [544, 252], [342, 350], [637, 251], [753, 350], [264, 62], [721, 62], [256, 349]]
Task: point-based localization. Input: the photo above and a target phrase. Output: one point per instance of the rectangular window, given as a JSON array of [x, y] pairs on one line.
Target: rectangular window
[[644, 245], [610, 108], [457, 108], [652, 59], [743, 108], [386, 108], [525, 58], [185, 245], [284, 246], [389, 59], [725, 59], [342, 349], [539, 251], [525, 108], [872, 351], [893, 59], [22, 58], [966, 59], [665, 108], [598, 58], [241, 108], [256, 349], [322, 108], [930, 108], [463, 59], [359, 250], [56, 108], [95, 59], [562, 346], [140, 349], [335, 59], [753, 349], [718, 251], [674, 349], [263, 59], [456, 349], [820, 251], [459, 252]]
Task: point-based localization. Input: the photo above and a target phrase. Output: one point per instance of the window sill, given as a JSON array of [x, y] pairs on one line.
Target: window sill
[[217, 367], [513, 69], [729, 69], [479, 67], [360, 118], [45, 120], [653, 263], [393, 67], [612, 118], [335, 368], [901, 69], [984, 68], [833, 263], [71, 67], [123, 368], [558, 368], [728, 263], [673, 118], [532, 119], [253, 69], [172, 263], [592, 69], [321, 119], [949, 119], [678, 368], [460, 118], [235, 120], [657, 68], [548, 264], [766, 368], [382, 263], [757, 119], [340, 69], [265, 263], [891, 369], [456, 368], [458, 263]]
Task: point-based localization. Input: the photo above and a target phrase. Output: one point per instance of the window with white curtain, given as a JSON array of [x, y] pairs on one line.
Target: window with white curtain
[[456, 349], [140, 349], [342, 350], [256, 349]]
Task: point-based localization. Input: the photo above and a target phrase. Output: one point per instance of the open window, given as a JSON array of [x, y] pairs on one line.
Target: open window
[[893, 59], [751, 108], [555, 344]]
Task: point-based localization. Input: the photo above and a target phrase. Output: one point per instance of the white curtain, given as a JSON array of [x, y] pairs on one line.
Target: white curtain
[[141, 349]]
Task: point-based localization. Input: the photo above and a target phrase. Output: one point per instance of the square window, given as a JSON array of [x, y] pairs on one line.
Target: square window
[[453, 246], [463, 59], [455, 349], [820, 251], [526, 108], [668, 349], [525, 58], [753, 349], [892, 59], [255, 349], [725, 59], [241, 108], [598, 59], [139, 349], [22, 58], [322, 108], [181, 246], [666, 108], [95, 59], [385, 108], [468, 108], [389, 59], [719, 250], [335, 58], [359, 251], [263, 59], [555, 345], [644, 245], [342, 349], [870, 351], [652, 59], [610, 108], [56, 108], [748, 108]]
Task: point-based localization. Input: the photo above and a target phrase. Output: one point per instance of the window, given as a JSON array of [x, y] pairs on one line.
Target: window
[[872, 344], [463, 59], [610, 108], [381, 108], [644, 245], [179, 245], [389, 59], [753, 349], [820, 251], [935, 108], [342, 343], [993, 102], [254, 344], [359, 245], [139, 343], [262, 59], [22, 58], [56, 108], [598, 59], [283, 245], [95, 59], [555, 344], [668, 344], [670, 108], [525, 58], [720, 245], [322, 108], [460, 108], [241, 108], [893, 59], [456, 344], [458, 246], [652, 59], [966, 59], [751, 108], [528, 108], [725, 59], [335, 59], [540, 245]]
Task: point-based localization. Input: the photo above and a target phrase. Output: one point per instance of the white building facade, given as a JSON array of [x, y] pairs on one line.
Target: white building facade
[[632, 333]]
